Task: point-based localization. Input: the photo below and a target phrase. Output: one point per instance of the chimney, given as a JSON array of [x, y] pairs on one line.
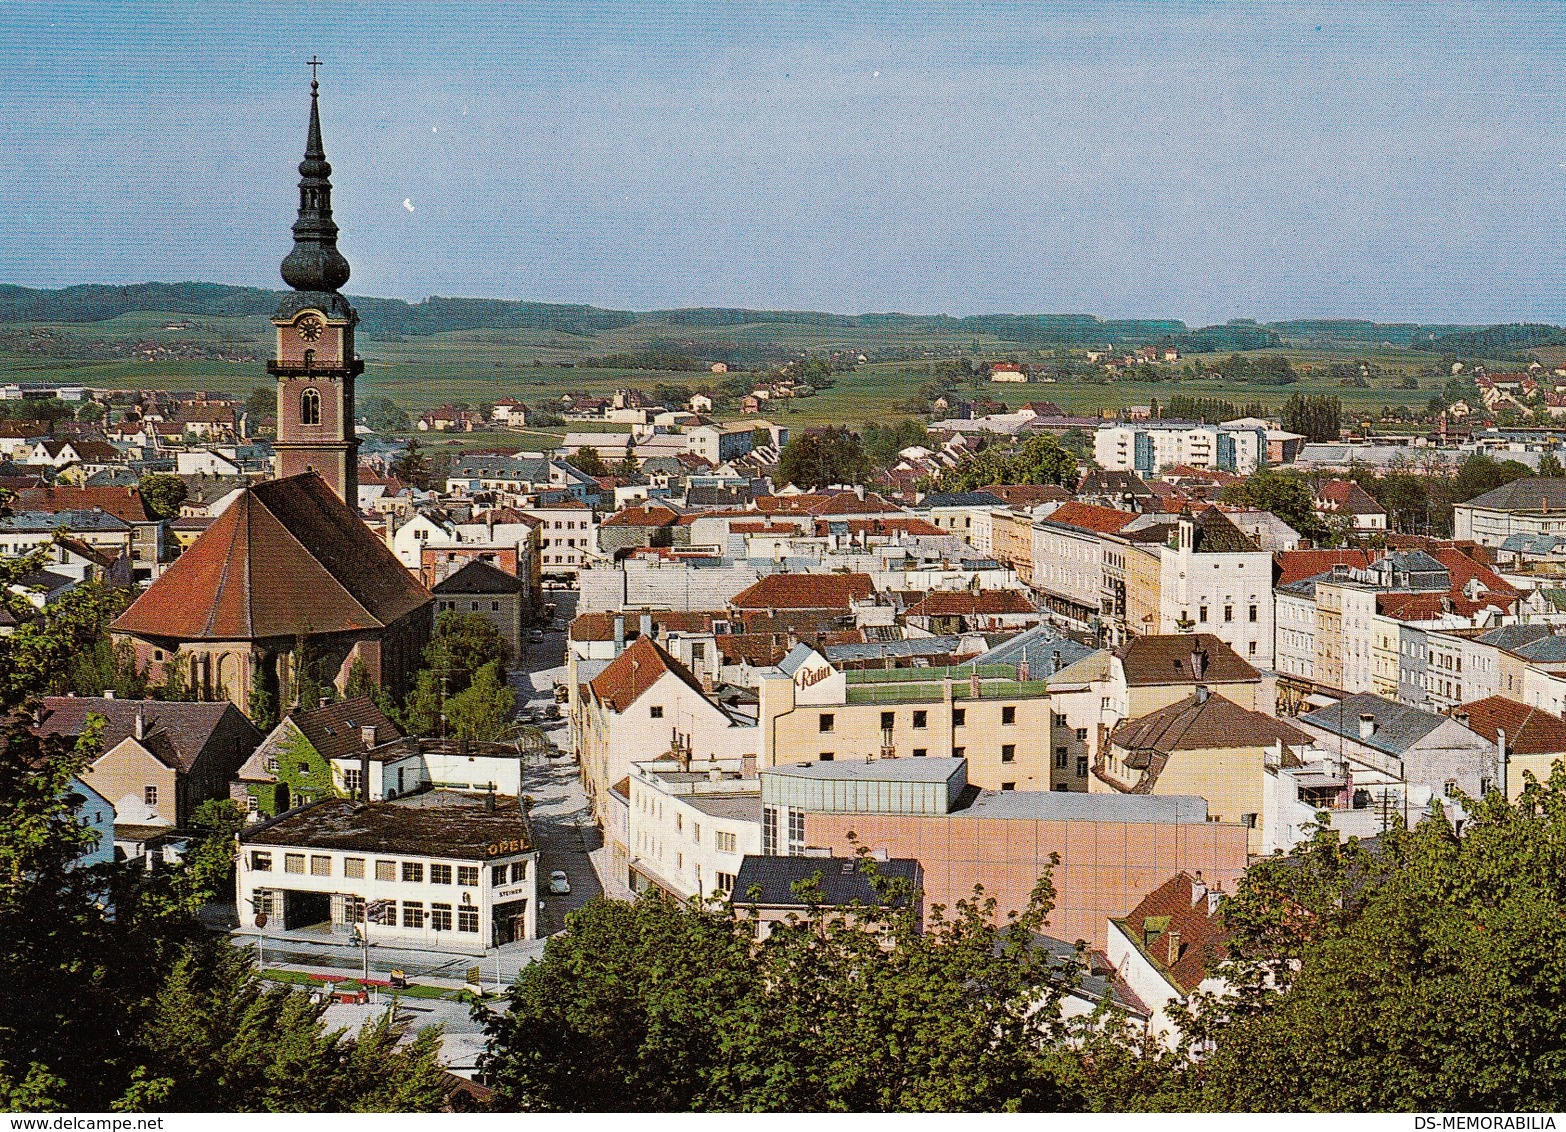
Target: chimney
[[1201, 693], [489, 799], [1461, 717], [1198, 663], [1367, 725], [748, 766], [108, 694], [364, 775], [367, 735], [645, 626], [141, 721], [1174, 948], [619, 633], [715, 774], [1198, 888]]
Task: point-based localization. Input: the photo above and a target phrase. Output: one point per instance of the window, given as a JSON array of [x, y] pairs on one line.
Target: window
[[353, 866], [1008, 752], [271, 764], [467, 919], [959, 717], [494, 607], [293, 862], [149, 795], [656, 711], [696, 832], [385, 870], [725, 842], [920, 752], [1008, 715], [796, 832], [921, 719], [440, 917], [1248, 821], [353, 909], [252, 804], [1060, 758], [679, 822], [827, 756], [412, 872], [440, 874], [263, 902], [888, 720], [310, 407], [260, 862], [497, 876], [1081, 766], [726, 883], [304, 767], [413, 913], [959, 752], [320, 866], [1008, 785], [518, 872], [468, 875], [1253, 612], [1228, 613], [769, 831], [353, 780], [1201, 614], [1060, 719], [1082, 735], [826, 722]]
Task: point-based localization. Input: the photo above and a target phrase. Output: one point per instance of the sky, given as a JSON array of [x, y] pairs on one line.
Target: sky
[[1170, 159]]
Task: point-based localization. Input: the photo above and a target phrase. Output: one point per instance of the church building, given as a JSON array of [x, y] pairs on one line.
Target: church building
[[289, 571]]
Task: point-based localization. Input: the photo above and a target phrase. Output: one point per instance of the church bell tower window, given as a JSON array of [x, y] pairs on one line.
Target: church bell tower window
[[310, 407]]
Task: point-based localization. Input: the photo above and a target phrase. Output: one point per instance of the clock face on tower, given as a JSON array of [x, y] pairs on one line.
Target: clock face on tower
[[310, 328]]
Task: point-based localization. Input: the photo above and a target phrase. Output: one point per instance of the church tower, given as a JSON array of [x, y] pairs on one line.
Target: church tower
[[314, 360]]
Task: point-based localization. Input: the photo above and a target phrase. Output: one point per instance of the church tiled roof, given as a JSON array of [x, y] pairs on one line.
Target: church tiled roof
[[287, 557]]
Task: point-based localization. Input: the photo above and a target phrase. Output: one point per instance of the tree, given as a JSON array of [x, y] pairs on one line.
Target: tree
[[1285, 495], [163, 493], [1315, 418], [628, 468], [654, 1005], [588, 462], [482, 710], [413, 466], [383, 415], [822, 457], [1418, 974], [462, 645], [1550, 466], [262, 402]]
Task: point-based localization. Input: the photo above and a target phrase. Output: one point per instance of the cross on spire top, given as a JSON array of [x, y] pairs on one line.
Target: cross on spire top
[[313, 63]]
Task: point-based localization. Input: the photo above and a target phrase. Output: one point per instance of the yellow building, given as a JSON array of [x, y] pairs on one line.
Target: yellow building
[[986, 714], [1204, 745], [1012, 539]]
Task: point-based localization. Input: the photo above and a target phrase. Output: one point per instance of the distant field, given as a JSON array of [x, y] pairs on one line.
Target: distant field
[[476, 366]]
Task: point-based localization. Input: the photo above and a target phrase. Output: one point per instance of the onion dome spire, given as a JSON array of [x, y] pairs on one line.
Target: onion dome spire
[[315, 264]]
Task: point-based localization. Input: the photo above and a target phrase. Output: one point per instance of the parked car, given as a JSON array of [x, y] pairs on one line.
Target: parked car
[[559, 625], [558, 883], [536, 636], [523, 715]]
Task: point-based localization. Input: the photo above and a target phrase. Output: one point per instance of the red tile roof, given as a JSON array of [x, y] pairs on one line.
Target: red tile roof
[[1090, 517], [804, 591], [1178, 905], [635, 670], [1297, 565], [286, 557], [937, 604], [1347, 497], [642, 517], [121, 502], [335, 730], [1172, 658], [1529, 731]]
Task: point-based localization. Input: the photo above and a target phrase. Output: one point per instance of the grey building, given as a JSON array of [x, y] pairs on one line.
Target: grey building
[[490, 592], [1407, 744]]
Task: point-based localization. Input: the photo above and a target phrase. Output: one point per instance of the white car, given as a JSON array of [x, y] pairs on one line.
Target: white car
[[558, 883]]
